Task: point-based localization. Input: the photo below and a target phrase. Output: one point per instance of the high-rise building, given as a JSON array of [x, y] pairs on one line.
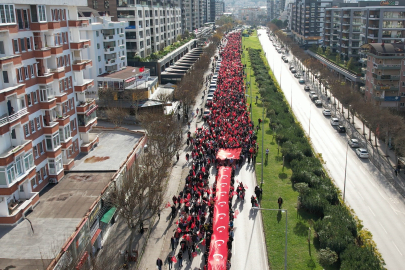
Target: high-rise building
[[350, 25], [150, 27], [219, 9], [46, 114], [307, 20], [106, 7], [385, 84]]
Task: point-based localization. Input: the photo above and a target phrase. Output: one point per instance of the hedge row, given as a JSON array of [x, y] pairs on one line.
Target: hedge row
[[335, 229]]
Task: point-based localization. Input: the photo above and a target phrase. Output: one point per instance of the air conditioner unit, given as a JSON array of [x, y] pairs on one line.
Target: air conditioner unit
[[84, 24], [86, 46], [53, 180]]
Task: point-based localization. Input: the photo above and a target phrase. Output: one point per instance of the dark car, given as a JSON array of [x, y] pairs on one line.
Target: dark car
[[285, 60], [341, 129], [293, 71], [307, 88], [291, 67]]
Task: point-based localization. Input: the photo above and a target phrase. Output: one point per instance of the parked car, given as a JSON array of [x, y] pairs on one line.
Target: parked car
[[291, 67], [301, 81], [341, 129], [293, 71], [354, 143], [318, 103], [311, 94], [326, 112], [334, 121], [279, 51], [314, 97], [362, 153], [206, 114], [285, 60], [307, 88], [296, 75]]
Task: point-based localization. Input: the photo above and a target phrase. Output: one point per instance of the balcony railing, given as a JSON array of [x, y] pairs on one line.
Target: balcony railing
[[8, 119]]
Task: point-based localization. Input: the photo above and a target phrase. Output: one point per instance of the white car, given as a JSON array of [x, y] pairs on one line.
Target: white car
[[354, 143], [327, 112], [334, 121], [362, 153]]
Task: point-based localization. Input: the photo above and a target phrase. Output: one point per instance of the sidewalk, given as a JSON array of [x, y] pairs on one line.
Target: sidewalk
[[158, 245]]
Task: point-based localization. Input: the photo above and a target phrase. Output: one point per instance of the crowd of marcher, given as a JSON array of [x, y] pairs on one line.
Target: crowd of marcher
[[228, 126]]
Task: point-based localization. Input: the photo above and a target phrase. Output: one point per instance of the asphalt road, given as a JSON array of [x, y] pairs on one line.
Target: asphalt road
[[368, 193]]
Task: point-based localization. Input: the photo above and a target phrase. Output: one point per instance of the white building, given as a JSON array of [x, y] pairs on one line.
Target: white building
[[150, 27], [109, 44]]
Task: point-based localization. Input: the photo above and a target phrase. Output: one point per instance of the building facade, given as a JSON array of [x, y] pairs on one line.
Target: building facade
[[384, 84], [46, 114], [351, 25], [307, 20], [150, 27], [219, 9]]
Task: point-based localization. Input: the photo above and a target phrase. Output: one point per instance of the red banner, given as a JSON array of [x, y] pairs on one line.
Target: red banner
[[229, 153], [218, 248]]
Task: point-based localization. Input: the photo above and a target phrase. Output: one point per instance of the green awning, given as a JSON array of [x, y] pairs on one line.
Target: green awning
[[108, 216]]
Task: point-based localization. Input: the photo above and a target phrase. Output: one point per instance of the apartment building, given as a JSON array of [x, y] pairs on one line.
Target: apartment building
[[307, 20], [108, 54], [191, 15], [150, 27], [350, 25], [219, 9], [45, 113], [384, 82]]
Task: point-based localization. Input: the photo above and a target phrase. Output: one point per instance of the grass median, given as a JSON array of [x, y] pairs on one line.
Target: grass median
[[301, 254]]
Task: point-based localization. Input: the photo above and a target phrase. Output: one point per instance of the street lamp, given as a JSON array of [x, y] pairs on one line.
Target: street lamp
[[262, 141], [344, 184], [286, 229]]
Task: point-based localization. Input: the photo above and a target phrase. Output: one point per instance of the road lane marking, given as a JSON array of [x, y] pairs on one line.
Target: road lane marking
[[371, 210], [383, 228], [397, 248], [360, 195]]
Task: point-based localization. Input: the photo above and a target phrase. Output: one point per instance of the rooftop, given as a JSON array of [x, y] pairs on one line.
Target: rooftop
[[124, 74], [61, 207]]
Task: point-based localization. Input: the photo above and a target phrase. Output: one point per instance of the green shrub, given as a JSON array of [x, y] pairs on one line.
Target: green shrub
[[359, 258], [313, 202], [327, 257]]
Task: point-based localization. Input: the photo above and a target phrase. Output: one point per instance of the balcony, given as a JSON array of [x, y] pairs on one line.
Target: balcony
[[42, 53], [11, 28], [108, 37], [87, 84], [50, 127], [15, 59], [18, 89], [386, 77], [14, 117], [387, 67], [87, 121], [57, 50], [58, 73], [82, 44], [387, 87], [17, 212], [78, 23], [45, 79], [109, 50], [54, 25], [39, 26], [87, 107], [110, 62], [79, 65], [8, 156]]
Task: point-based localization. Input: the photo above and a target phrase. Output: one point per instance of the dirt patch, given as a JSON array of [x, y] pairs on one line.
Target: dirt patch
[[83, 177], [95, 159]]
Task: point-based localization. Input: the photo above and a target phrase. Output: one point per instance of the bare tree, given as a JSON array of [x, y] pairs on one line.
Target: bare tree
[[116, 115], [140, 195]]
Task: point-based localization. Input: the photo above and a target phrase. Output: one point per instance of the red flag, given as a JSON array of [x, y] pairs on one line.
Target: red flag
[[203, 242], [194, 254], [141, 69], [179, 230], [234, 193], [168, 205], [174, 259]]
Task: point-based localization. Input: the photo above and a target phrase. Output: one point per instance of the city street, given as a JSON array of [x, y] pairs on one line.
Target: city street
[[368, 193]]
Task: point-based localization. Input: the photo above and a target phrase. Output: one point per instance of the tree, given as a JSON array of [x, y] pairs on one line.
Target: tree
[[116, 115], [328, 52], [350, 64], [139, 195], [327, 257], [337, 59], [320, 51], [285, 23]]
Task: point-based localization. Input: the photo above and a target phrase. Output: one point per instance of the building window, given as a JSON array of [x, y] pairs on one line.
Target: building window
[[38, 123], [55, 165], [97, 33], [28, 161], [27, 76], [99, 58], [32, 124], [7, 14], [29, 99], [98, 45], [52, 142], [19, 165], [26, 130], [41, 13], [402, 104], [32, 71], [5, 76], [40, 148], [100, 71], [15, 45]]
